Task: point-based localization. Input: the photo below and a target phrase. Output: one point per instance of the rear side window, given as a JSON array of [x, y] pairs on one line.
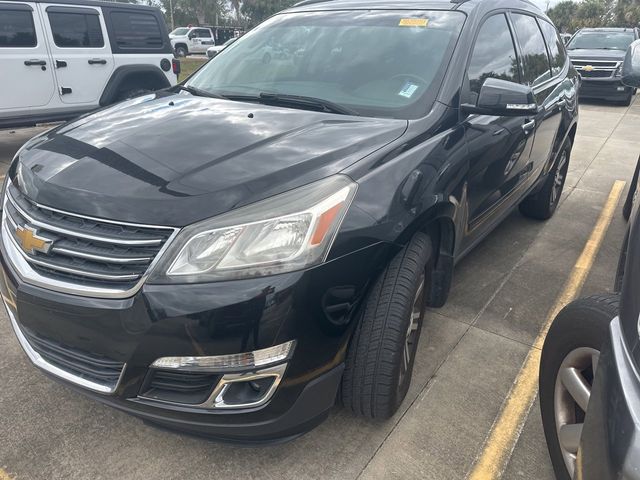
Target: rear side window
[[557, 53], [136, 30], [535, 61], [16, 29], [203, 33], [494, 55], [76, 30]]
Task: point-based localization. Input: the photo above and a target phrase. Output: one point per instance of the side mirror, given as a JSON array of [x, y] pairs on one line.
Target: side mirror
[[631, 66], [503, 98], [192, 35]]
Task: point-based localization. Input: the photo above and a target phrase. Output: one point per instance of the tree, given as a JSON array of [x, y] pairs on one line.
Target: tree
[[255, 11], [563, 15]]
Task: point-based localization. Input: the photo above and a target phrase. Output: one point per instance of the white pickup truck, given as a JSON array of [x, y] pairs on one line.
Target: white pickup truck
[[188, 40]]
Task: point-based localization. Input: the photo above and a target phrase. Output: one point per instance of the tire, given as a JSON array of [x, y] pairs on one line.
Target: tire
[[542, 204], [627, 101], [574, 340], [133, 93], [622, 262], [628, 204], [382, 351], [181, 51]]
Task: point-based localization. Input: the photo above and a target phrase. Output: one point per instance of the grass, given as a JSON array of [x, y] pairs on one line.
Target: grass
[[189, 65]]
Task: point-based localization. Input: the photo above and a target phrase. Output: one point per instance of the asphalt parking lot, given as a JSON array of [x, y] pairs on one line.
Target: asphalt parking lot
[[469, 355]]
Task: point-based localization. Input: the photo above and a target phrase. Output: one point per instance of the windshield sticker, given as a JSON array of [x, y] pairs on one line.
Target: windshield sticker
[[413, 22], [408, 90]]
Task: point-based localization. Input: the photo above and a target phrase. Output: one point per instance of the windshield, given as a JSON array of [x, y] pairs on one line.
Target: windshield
[[601, 40], [375, 63], [180, 31]]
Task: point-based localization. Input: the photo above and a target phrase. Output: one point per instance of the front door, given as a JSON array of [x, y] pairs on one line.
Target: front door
[[26, 75], [80, 50], [499, 147]]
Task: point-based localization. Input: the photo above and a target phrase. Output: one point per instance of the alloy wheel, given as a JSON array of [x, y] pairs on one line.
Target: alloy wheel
[[559, 178], [571, 399], [413, 330]]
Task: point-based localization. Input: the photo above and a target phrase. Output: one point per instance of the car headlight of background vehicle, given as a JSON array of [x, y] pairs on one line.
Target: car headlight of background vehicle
[[284, 233]]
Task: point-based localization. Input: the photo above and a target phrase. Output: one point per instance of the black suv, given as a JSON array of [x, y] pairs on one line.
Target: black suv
[[226, 256], [598, 53]]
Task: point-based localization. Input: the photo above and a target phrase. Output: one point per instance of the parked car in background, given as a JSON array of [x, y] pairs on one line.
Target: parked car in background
[[598, 53], [589, 383], [60, 60], [188, 40], [213, 51], [282, 254]]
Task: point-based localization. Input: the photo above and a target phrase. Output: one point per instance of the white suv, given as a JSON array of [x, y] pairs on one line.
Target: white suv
[[62, 59], [187, 40]]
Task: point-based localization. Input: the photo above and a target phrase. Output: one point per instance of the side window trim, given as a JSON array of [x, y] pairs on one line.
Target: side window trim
[[552, 78], [466, 88], [561, 45]]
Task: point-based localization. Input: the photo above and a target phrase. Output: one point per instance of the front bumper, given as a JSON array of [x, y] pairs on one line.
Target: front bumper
[[610, 89], [610, 443], [316, 308]]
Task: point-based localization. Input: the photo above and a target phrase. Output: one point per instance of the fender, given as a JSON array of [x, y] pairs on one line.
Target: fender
[[122, 73]]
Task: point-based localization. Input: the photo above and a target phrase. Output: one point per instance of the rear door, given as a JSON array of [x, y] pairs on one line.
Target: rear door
[[81, 53], [547, 88], [26, 76], [202, 40]]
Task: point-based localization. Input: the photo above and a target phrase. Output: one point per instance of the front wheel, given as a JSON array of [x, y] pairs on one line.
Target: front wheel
[[181, 51], [542, 205], [567, 367], [380, 358]]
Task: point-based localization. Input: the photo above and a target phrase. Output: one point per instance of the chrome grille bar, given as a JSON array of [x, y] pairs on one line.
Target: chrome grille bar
[[85, 256]]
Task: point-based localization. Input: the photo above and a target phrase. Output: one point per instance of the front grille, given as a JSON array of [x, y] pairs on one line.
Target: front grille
[[596, 68], [596, 73], [611, 64], [84, 251], [87, 366], [179, 387]]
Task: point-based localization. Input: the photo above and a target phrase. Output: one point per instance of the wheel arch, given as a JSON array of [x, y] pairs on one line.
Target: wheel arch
[[438, 223], [128, 77]]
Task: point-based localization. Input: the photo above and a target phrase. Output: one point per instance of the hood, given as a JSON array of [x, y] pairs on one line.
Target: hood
[[179, 159], [596, 54]]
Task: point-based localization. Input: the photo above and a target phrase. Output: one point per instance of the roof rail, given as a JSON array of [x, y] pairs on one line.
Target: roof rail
[[309, 2]]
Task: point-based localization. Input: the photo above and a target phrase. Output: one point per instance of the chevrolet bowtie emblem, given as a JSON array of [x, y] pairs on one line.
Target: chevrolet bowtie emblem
[[31, 242], [588, 68]]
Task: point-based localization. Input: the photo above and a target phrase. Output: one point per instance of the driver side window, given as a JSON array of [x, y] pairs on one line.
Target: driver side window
[[494, 55]]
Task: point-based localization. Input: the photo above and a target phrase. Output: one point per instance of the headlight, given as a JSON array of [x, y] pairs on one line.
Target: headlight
[[618, 71], [283, 233]]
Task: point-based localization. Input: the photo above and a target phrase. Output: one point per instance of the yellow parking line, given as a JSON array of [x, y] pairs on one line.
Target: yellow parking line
[[4, 475], [504, 434]]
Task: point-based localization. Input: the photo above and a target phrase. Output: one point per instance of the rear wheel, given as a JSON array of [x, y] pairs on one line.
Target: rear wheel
[[382, 352], [567, 368], [542, 205]]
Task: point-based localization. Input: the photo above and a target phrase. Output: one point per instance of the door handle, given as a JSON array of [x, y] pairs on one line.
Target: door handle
[[61, 64], [97, 61], [31, 63], [528, 126]]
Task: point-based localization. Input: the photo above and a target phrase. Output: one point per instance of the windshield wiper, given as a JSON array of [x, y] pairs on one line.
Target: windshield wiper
[[195, 91], [303, 101]]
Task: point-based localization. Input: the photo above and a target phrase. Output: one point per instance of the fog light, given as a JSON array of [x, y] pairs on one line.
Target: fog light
[[235, 361]]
